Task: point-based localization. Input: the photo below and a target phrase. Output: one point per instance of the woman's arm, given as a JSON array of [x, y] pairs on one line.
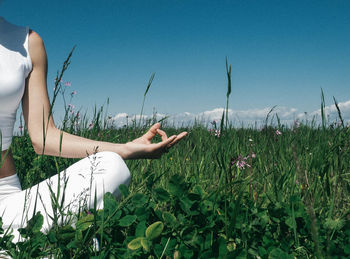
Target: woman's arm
[[36, 107]]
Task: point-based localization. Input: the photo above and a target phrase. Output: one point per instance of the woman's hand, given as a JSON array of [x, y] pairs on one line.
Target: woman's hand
[[143, 147]]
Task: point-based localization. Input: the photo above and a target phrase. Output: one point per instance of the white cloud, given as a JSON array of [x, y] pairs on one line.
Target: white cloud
[[250, 117], [331, 112]]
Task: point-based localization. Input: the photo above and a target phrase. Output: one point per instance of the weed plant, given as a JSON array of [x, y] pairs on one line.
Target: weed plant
[[226, 192]]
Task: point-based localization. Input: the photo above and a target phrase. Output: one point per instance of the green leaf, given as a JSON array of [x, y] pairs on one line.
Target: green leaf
[[66, 233], [85, 222], [139, 200], [161, 194], [176, 186], [135, 243], [127, 220], [52, 236], [73, 244], [347, 249], [109, 203], [33, 226], [140, 229], [290, 222], [207, 205], [154, 230], [169, 218], [199, 190], [146, 244], [278, 253], [124, 190], [142, 213]]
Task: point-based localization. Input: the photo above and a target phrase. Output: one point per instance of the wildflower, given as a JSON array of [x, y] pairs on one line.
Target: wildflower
[[91, 125], [253, 155], [296, 124], [73, 93], [278, 132], [240, 162], [71, 108], [67, 84], [215, 132], [250, 140]]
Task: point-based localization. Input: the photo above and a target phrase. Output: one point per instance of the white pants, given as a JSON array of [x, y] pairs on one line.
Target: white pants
[[74, 188]]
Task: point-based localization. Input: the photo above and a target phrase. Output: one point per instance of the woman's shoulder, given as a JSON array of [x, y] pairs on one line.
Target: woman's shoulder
[[34, 38], [36, 47]]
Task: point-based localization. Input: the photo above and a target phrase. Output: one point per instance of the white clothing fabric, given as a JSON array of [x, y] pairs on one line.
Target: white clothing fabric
[[94, 175], [9, 185], [15, 65]]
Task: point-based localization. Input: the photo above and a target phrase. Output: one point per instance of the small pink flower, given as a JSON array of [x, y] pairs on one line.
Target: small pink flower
[[91, 125], [215, 132], [71, 106], [67, 84], [278, 133], [240, 162], [253, 155], [73, 93]]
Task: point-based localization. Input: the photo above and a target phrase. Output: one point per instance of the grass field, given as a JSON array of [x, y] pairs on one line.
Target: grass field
[[274, 192], [270, 193]]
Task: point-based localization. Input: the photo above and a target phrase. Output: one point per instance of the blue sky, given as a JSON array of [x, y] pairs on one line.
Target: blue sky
[[282, 52]]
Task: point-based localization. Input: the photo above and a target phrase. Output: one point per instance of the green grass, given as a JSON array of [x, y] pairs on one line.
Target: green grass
[[292, 201], [246, 193]]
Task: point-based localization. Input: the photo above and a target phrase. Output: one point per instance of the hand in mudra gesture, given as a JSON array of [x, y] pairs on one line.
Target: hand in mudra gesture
[[143, 147]]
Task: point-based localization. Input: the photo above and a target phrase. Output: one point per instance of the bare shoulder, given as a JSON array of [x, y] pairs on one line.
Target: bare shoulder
[[36, 47]]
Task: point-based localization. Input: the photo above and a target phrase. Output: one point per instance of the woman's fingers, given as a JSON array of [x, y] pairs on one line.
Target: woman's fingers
[[171, 141], [152, 131], [164, 145], [177, 139], [162, 134]]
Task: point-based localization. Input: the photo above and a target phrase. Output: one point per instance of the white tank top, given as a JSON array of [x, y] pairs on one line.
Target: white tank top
[[15, 65]]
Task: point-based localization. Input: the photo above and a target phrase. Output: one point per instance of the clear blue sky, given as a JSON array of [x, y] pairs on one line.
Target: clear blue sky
[[282, 52]]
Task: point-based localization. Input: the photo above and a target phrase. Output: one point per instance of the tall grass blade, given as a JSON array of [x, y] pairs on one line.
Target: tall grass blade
[[268, 116], [323, 107], [228, 72], [339, 112], [144, 96]]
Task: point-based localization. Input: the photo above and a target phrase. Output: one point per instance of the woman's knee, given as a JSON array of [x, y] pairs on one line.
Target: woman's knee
[[115, 167]]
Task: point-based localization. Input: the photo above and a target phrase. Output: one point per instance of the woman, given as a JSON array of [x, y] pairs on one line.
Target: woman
[[23, 72]]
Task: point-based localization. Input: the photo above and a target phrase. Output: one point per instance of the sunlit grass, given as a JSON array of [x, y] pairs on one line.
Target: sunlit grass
[[277, 192]]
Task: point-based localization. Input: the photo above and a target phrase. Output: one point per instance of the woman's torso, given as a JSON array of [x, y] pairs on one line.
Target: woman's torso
[[15, 65]]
